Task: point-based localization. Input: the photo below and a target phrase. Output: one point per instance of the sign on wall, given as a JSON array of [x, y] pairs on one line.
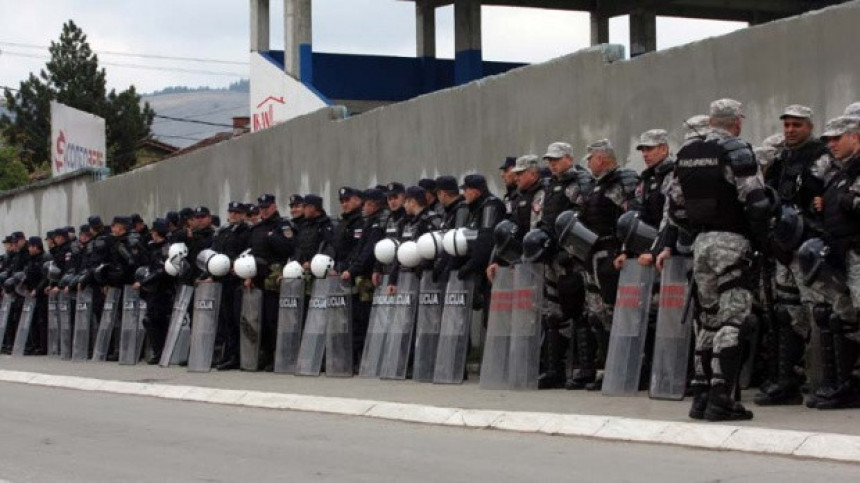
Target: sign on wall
[[276, 97], [77, 140]]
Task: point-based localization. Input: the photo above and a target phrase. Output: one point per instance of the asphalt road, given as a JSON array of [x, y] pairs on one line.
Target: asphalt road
[[63, 435]]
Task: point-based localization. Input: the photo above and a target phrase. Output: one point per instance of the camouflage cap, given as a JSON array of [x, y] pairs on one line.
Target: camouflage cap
[[603, 146], [525, 162], [653, 137], [726, 108], [558, 150], [841, 125], [697, 126], [798, 111], [853, 109], [766, 153]]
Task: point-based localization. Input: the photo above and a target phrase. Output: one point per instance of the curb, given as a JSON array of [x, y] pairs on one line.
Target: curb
[[821, 446]]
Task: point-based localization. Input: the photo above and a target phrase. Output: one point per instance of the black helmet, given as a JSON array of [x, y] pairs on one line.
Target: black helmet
[[508, 241], [788, 229], [537, 246], [634, 234], [574, 237]]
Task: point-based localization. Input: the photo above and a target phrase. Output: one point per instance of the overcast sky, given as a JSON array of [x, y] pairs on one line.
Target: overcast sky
[[218, 29]]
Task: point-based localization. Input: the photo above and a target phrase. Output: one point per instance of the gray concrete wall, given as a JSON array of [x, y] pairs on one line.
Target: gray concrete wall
[[47, 205], [578, 98]]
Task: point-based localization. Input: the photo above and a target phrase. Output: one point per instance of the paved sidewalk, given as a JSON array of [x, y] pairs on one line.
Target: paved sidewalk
[[787, 431], [466, 396]]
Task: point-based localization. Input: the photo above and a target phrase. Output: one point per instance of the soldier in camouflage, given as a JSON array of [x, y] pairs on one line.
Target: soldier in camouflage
[[718, 187]]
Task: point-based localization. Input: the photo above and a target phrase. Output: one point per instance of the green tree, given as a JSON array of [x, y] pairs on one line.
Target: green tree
[[13, 173], [72, 76]]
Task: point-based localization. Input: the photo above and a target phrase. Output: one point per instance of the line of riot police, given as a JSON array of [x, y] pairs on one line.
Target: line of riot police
[[754, 250]]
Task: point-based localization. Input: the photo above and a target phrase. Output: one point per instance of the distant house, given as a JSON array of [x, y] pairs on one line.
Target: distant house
[[151, 151], [241, 125]]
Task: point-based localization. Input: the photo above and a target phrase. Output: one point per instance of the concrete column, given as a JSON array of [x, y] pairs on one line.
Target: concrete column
[[298, 40], [259, 25], [599, 28], [643, 32], [468, 59], [425, 29]]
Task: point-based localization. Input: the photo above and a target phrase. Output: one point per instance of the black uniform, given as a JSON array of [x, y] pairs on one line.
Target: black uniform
[[485, 212], [230, 240], [159, 299], [315, 236], [35, 281], [346, 237]]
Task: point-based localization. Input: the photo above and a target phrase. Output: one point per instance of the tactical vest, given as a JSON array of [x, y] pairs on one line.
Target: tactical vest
[[528, 206], [842, 228], [347, 234], [790, 174], [565, 192], [599, 212], [650, 194], [711, 201]]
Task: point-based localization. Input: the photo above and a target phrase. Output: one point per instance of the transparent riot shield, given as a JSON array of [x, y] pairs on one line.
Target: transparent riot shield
[[64, 314], [674, 332], [110, 312], [380, 318], [250, 329], [524, 356], [454, 331], [313, 345], [497, 345], [629, 328], [204, 326], [431, 296], [398, 341], [25, 323], [128, 354], [5, 310], [53, 326], [291, 310], [338, 335], [177, 332], [83, 320], [141, 327]]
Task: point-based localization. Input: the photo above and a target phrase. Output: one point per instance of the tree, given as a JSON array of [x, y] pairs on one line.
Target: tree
[[13, 173], [72, 76]]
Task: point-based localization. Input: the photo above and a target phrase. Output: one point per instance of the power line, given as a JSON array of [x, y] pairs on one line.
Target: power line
[[135, 66], [193, 121], [138, 55]]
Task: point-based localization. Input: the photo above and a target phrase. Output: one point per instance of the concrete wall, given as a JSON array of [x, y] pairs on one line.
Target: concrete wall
[[48, 204], [578, 98]]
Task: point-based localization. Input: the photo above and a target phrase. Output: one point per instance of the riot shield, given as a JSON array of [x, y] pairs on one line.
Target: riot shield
[[24, 325], [250, 325], [377, 328], [494, 365], [128, 354], [207, 304], [83, 319], [673, 334], [629, 328], [176, 341], [338, 334], [110, 311], [291, 310], [141, 327], [5, 309], [431, 296], [312, 350], [398, 341], [53, 326], [182, 348], [454, 331], [524, 355], [64, 314]]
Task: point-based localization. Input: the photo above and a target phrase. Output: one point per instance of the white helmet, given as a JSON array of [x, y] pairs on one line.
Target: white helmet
[[292, 270], [175, 266], [407, 254], [203, 258], [430, 245], [385, 250], [245, 267], [454, 242], [321, 264], [219, 265], [179, 250]]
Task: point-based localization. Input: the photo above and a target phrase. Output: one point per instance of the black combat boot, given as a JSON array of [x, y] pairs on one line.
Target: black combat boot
[[721, 397], [827, 354], [847, 392], [586, 353], [554, 376], [786, 390]]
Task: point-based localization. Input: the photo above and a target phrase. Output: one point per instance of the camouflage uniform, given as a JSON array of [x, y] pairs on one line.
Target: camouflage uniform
[[717, 191]]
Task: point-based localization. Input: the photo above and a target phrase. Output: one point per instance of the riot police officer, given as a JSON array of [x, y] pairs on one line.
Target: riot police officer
[[485, 212], [420, 219], [718, 187], [316, 232], [157, 290]]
